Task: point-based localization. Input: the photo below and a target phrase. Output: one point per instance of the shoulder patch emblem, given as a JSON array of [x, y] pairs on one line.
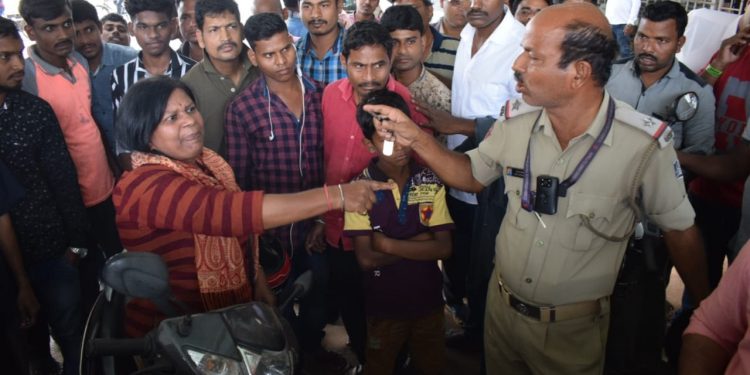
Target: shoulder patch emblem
[[653, 127], [515, 108]]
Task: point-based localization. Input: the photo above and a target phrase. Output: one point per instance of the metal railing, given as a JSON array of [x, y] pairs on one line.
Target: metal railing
[[731, 6]]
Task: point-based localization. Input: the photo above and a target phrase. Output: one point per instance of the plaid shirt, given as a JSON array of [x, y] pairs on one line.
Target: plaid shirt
[[290, 162], [327, 70]]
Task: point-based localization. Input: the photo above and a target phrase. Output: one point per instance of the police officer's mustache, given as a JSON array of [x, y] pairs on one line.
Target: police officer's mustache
[[646, 55], [518, 77]]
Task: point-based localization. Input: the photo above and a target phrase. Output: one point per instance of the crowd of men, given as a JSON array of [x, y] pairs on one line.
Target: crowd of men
[[501, 101]]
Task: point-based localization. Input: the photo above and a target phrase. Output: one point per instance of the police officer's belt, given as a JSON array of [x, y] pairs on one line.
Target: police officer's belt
[[550, 313]]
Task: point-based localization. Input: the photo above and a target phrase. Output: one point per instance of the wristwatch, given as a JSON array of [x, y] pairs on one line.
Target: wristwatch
[[81, 252]]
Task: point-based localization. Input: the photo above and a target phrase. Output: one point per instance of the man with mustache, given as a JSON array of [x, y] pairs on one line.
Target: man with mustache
[[115, 30], [655, 78], [51, 219], [274, 133], [651, 82], [186, 16], [152, 24], [366, 54], [103, 58], [575, 162], [225, 70], [318, 52]]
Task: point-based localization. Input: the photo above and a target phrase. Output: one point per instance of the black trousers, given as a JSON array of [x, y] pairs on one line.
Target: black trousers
[[348, 296], [455, 268], [637, 318]]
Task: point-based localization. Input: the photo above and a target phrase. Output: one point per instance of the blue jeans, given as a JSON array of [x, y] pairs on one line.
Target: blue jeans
[[623, 41], [57, 287]]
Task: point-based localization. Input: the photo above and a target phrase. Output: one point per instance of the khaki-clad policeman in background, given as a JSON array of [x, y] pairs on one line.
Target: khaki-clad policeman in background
[[572, 180]]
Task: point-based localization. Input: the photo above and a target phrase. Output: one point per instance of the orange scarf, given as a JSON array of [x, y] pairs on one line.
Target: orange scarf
[[219, 261]]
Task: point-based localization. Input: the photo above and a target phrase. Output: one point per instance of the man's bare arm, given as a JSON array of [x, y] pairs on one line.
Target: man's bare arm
[[725, 168], [702, 356], [686, 251]]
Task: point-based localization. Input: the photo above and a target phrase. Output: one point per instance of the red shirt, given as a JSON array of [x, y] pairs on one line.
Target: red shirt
[[731, 90], [344, 152]]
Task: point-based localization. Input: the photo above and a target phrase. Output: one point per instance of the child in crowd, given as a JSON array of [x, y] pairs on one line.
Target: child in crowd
[[397, 244]]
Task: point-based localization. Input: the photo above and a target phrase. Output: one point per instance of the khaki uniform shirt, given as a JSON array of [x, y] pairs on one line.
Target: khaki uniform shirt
[[213, 92], [566, 262]]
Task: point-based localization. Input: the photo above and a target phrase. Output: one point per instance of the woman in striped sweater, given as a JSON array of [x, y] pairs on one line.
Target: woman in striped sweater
[[181, 201]]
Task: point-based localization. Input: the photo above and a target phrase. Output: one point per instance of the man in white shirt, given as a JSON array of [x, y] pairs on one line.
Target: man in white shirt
[[622, 15]]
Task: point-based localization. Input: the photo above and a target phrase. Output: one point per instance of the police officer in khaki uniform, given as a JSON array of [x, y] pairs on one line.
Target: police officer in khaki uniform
[[578, 172]]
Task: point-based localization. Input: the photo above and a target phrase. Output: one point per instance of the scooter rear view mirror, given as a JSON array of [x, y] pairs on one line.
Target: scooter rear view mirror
[[137, 274], [685, 106]]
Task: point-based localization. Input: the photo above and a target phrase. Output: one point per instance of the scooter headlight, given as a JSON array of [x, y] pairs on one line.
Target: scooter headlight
[[212, 364], [268, 362]]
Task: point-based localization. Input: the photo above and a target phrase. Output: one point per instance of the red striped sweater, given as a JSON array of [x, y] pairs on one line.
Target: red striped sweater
[[158, 210]]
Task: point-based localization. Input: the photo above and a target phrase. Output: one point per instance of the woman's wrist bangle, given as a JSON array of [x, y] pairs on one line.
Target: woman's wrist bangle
[[341, 192], [320, 221], [713, 71], [328, 198]]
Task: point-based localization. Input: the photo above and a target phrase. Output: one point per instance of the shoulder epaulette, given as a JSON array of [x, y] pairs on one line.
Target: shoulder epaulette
[[515, 108], [653, 127]]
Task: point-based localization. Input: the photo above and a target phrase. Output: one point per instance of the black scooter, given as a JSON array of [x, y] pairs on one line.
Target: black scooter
[[245, 339]]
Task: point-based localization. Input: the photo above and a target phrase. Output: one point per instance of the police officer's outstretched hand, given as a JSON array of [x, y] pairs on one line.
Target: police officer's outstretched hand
[[391, 122]]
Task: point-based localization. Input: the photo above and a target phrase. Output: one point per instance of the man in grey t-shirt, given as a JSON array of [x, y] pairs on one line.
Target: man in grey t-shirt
[[654, 78]]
